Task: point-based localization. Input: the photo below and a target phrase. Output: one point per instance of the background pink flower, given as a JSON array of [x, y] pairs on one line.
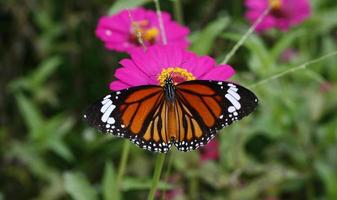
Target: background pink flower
[[153, 66], [283, 15], [118, 32], [210, 151]]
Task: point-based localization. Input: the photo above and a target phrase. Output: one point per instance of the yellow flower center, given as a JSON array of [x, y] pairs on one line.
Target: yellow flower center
[[177, 74], [275, 4], [142, 29]]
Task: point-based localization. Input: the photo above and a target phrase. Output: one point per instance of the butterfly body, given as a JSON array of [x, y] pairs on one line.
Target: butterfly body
[[187, 114]]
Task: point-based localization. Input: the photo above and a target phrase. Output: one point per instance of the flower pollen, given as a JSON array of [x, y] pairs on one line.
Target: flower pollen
[[275, 4], [148, 34], [177, 74]]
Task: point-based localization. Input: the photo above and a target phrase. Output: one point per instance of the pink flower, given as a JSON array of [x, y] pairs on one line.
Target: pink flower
[[210, 151], [283, 15], [151, 67], [119, 32]]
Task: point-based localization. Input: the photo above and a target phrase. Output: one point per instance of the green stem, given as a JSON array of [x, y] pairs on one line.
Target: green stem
[[178, 11], [303, 66], [122, 165], [194, 187], [245, 36], [156, 175], [161, 23], [168, 170]]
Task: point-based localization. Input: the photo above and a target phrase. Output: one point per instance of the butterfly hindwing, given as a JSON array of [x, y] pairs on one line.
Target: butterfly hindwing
[[209, 106], [146, 117], [135, 114]]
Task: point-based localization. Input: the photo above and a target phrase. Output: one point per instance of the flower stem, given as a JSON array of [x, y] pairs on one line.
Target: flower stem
[[161, 23], [156, 176], [245, 36], [122, 165], [178, 11], [168, 170], [303, 66]]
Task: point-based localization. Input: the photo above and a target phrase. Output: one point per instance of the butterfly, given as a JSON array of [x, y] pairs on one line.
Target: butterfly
[[187, 114]]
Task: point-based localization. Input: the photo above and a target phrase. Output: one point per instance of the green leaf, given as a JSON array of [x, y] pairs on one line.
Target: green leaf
[[78, 186], [35, 80], [328, 174], [260, 60], [203, 41], [31, 156], [62, 150], [109, 182], [284, 43], [44, 70], [123, 4], [140, 184], [32, 117]]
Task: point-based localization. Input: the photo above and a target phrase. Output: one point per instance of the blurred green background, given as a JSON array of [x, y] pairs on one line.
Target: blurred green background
[[52, 67]]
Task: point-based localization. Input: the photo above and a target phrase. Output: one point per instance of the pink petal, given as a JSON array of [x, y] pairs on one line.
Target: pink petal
[[203, 65], [219, 73], [146, 62], [131, 76], [118, 85], [131, 66], [175, 30], [190, 58]]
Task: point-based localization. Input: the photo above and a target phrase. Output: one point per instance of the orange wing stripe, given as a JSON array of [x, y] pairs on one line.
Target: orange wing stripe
[[197, 129], [147, 135], [129, 112], [198, 89], [142, 113], [188, 128], [201, 108], [156, 136], [214, 105], [179, 118], [141, 94], [164, 122]]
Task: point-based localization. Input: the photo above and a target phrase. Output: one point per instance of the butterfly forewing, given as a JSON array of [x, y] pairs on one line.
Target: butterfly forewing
[[137, 114], [206, 107], [145, 116]]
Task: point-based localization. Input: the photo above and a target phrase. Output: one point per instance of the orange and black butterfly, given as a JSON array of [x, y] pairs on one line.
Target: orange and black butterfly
[[187, 115]]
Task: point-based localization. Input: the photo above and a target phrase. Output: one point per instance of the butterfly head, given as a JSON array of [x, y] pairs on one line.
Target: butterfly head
[[169, 80]]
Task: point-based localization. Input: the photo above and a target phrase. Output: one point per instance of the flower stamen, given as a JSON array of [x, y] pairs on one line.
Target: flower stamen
[[177, 74], [275, 4], [148, 34]]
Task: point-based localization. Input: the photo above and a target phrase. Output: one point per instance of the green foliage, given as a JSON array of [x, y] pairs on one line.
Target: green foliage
[[122, 4], [53, 67], [78, 186], [203, 41], [109, 182]]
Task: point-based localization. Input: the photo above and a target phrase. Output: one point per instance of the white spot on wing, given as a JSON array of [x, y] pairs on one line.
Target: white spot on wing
[[105, 101], [107, 96], [231, 85], [233, 89], [231, 109], [106, 105], [234, 94], [111, 120], [235, 103], [107, 113]]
